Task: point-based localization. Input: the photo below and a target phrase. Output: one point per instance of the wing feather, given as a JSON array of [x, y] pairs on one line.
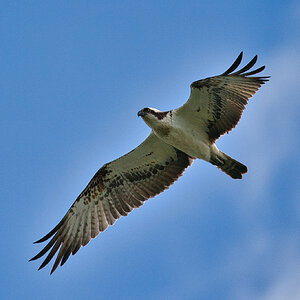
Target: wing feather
[[234, 65], [95, 222], [217, 103], [247, 67], [115, 190]]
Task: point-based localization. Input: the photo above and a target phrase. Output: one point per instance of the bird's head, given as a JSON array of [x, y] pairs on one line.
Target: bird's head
[[149, 112], [153, 117]]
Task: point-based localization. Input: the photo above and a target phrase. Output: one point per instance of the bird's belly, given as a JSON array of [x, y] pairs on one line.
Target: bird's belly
[[189, 142]]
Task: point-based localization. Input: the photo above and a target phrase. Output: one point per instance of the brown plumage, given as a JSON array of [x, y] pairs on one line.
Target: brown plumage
[[178, 136], [227, 96], [115, 190]]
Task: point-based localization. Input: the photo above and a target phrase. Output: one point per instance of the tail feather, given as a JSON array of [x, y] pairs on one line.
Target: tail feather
[[228, 165]]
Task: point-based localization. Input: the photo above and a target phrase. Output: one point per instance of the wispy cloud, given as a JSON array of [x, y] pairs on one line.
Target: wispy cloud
[[286, 285], [273, 117], [274, 133], [265, 262]]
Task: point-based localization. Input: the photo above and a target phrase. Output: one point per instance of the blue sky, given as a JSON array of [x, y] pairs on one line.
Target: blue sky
[[73, 76]]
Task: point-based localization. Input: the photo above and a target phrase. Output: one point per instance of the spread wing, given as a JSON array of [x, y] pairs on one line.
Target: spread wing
[[217, 103], [115, 190]]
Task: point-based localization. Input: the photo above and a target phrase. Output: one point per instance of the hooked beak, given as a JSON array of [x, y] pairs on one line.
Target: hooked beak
[[141, 113]]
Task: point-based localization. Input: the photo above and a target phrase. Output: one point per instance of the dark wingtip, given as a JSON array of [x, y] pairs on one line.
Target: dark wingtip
[[245, 70], [254, 71], [35, 257], [45, 262], [52, 232], [240, 56], [54, 268], [234, 65], [46, 237], [247, 67]]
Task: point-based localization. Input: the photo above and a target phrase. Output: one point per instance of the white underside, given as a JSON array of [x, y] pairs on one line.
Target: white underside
[[189, 138]]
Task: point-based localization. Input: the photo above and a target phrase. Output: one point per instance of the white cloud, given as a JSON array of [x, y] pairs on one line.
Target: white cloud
[[274, 131], [273, 117], [286, 286]]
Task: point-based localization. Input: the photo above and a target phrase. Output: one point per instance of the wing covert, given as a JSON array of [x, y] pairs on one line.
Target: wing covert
[[217, 103], [115, 190]]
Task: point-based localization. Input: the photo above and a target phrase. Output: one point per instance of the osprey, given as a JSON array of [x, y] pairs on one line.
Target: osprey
[[177, 138]]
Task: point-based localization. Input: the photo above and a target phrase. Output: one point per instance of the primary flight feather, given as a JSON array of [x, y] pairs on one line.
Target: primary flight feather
[[178, 137]]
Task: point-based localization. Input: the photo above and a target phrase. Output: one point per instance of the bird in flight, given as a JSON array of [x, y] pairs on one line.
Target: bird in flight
[[178, 137]]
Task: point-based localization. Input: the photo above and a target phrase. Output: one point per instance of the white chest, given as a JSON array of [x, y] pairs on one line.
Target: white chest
[[186, 137]]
